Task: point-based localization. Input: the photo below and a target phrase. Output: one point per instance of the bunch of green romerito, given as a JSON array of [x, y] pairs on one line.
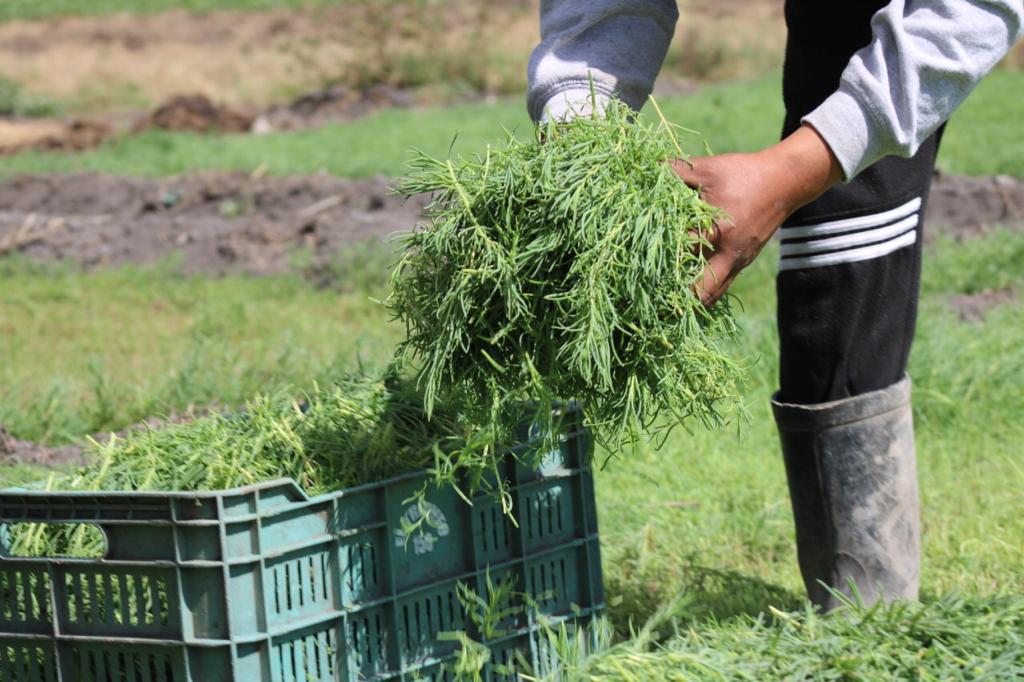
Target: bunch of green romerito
[[563, 267], [357, 429]]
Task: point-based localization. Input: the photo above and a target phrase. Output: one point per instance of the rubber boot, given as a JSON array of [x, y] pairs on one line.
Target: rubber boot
[[853, 483]]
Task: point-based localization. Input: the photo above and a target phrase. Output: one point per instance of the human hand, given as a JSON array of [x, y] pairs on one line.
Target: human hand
[[756, 192]]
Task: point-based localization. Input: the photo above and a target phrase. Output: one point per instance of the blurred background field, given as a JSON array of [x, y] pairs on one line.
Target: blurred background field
[[194, 210]]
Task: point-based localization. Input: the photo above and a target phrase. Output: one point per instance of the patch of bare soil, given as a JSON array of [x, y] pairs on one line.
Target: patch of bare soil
[[974, 307], [335, 104], [965, 206], [195, 113], [218, 222], [233, 222], [26, 452]]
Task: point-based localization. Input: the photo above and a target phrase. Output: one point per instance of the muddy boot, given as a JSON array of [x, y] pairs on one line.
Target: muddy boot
[[853, 484]]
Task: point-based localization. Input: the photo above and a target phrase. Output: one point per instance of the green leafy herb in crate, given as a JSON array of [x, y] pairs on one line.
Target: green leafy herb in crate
[[358, 429], [266, 583]]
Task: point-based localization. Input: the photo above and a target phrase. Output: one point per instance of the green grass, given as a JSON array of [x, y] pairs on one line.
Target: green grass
[[698, 533], [984, 134], [41, 9], [982, 138], [124, 344]]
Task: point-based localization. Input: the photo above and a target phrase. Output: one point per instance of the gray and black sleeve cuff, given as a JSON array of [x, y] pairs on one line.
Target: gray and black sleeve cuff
[[848, 128]]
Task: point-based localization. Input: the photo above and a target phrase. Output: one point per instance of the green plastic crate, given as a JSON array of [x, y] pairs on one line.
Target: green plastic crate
[[264, 583]]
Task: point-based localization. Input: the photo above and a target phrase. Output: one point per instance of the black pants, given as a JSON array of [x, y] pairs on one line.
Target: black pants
[[850, 265]]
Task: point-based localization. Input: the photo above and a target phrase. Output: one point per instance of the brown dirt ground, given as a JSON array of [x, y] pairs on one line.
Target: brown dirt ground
[[218, 222], [195, 113], [14, 450], [233, 222], [334, 104], [51, 135], [965, 206]]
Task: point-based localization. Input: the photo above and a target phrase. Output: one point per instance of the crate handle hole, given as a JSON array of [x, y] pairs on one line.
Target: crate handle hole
[[41, 539]]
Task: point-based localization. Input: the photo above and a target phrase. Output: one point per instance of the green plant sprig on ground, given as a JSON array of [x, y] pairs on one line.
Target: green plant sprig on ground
[[563, 267]]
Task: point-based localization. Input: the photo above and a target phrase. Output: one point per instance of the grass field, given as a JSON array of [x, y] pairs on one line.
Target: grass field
[[203, 341], [709, 510], [982, 137], [698, 533]]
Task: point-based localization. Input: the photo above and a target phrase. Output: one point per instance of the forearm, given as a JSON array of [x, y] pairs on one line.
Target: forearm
[[608, 47], [925, 57]]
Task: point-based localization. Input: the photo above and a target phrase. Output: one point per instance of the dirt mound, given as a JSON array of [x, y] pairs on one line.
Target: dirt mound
[[50, 135], [195, 113], [333, 105], [218, 222], [965, 206], [199, 114]]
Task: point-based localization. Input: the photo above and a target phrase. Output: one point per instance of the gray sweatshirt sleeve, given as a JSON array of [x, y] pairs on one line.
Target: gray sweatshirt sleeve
[[925, 57], [615, 45]]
